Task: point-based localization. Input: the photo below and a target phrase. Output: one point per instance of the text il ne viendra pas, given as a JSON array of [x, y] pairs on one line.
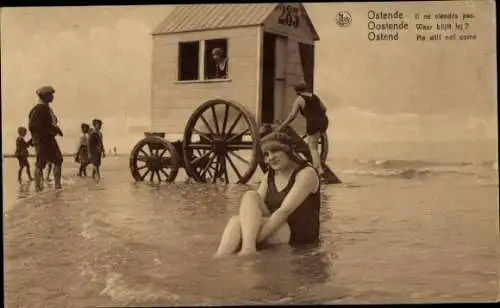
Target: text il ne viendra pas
[[429, 27]]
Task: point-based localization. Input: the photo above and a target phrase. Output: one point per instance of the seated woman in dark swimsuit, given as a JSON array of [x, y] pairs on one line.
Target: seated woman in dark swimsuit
[[285, 207]]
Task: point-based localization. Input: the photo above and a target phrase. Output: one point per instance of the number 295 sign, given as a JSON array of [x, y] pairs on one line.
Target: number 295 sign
[[289, 15]]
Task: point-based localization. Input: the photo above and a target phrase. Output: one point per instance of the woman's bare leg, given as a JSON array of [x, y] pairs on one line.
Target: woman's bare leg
[[312, 142], [281, 236], [20, 174], [28, 170], [49, 172], [251, 221], [231, 238], [97, 173], [57, 176]]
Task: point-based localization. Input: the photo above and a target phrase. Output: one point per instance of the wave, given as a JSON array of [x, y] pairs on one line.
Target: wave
[[401, 164], [409, 173], [410, 169]]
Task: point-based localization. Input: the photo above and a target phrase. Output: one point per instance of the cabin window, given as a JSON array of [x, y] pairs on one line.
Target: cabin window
[[216, 59], [189, 60]]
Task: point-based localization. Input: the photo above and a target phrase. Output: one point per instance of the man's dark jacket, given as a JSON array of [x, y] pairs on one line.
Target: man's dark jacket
[[40, 123]]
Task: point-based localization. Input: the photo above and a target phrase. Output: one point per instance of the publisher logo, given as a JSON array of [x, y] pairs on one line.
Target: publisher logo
[[343, 19]]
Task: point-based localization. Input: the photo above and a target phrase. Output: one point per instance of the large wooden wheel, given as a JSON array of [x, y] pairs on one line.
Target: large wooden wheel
[[154, 159], [220, 143]]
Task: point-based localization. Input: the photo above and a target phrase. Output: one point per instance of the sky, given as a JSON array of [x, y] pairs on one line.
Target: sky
[[377, 93]]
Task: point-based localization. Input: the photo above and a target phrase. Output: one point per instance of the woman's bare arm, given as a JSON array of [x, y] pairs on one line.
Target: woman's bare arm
[[262, 191], [297, 104]]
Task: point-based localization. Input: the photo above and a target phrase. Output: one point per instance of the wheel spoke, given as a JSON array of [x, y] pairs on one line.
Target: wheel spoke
[[145, 174], [164, 173], [233, 166], [216, 173], [206, 124], [142, 167], [151, 176], [234, 124], [163, 152], [209, 173], [207, 136], [142, 158], [215, 120], [200, 146], [150, 149], [158, 175], [197, 159], [239, 157], [141, 176], [224, 123], [224, 165], [239, 146], [207, 166], [239, 135], [144, 152]]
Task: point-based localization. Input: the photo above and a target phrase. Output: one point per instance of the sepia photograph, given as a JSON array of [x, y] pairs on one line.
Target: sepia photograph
[[221, 154]]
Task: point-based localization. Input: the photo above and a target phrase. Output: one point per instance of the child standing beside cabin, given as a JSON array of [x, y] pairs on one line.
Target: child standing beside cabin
[[82, 153], [96, 148], [22, 153]]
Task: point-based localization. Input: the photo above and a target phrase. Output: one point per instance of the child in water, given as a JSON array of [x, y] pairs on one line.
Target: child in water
[[82, 153], [22, 153], [96, 148]]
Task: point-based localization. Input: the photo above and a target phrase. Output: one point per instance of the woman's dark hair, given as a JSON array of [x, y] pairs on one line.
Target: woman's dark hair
[[21, 129], [96, 121], [284, 142], [85, 127]]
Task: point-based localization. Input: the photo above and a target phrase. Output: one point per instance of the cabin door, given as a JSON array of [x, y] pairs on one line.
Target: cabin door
[[306, 52], [279, 79], [273, 77]]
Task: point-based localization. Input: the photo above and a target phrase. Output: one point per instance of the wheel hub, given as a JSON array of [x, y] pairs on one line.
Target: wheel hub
[[154, 162], [219, 145]]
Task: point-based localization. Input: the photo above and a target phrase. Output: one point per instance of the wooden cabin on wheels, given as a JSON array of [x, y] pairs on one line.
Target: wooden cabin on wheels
[[220, 72], [269, 47]]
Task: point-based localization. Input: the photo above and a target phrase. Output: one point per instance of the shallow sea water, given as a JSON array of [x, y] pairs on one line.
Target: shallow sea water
[[388, 235]]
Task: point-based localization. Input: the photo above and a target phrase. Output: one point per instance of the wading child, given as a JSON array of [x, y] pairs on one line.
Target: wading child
[[22, 153], [96, 148], [82, 153]]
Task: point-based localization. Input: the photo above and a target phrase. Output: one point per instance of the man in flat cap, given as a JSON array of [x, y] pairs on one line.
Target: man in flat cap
[[44, 129], [220, 63], [314, 111]]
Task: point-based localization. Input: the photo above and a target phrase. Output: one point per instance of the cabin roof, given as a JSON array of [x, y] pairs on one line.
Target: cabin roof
[[199, 17]]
